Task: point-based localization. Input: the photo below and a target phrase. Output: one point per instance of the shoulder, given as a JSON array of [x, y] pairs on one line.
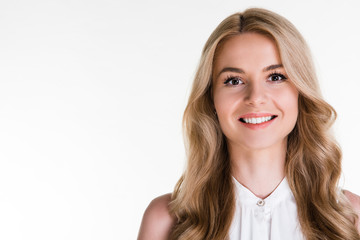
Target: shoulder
[[157, 221], [353, 199], [355, 203]]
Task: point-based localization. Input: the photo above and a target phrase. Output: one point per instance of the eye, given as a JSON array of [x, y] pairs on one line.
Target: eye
[[277, 77], [233, 81]]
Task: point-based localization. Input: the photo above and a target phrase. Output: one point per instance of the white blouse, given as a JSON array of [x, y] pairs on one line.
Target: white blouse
[[274, 218]]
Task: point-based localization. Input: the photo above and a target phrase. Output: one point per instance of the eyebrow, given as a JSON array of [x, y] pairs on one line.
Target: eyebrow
[[239, 70]]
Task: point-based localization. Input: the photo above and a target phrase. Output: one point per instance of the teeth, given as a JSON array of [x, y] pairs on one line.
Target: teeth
[[257, 120]]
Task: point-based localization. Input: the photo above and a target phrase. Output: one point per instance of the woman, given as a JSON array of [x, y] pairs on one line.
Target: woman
[[261, 161]]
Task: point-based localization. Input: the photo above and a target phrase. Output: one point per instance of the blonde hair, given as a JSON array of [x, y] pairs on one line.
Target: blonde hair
[[203, 199]]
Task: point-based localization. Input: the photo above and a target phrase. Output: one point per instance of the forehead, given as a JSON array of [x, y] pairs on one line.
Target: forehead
[[247, 50]]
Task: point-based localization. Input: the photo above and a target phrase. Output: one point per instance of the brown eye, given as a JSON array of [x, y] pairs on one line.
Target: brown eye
[[233, 81], [277, 77]]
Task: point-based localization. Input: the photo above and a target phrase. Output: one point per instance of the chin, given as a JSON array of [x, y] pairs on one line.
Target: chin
[[259, 144]]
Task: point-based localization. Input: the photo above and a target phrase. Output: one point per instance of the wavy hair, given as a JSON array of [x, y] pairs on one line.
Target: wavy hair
[[203, 200]]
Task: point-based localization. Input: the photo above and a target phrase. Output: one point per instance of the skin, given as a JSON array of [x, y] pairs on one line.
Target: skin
[[257, 156], [157, 221]]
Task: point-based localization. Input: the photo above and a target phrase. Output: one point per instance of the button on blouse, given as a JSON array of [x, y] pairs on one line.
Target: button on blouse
[[274, 217]]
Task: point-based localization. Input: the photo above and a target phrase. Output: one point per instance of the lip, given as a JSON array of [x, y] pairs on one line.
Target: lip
[[256, 115], [260, 125]]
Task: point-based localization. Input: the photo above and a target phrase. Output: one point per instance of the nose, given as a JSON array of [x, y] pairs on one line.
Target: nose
[[255, 94]]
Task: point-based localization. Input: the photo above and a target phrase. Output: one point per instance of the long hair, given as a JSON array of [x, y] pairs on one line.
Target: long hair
[[203, 200]]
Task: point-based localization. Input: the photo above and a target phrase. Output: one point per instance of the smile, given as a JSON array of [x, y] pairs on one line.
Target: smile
[[258, 120]]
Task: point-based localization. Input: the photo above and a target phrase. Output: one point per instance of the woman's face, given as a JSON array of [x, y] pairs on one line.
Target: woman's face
[[256, 104]]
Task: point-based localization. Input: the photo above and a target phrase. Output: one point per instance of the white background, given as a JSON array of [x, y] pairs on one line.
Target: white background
[[92, 95]]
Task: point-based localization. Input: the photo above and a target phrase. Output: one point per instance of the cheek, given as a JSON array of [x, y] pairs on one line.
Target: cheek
[[289, 101], [224, 103]]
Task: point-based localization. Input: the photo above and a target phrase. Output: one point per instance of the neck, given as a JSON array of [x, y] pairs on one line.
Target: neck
[[259, 170]]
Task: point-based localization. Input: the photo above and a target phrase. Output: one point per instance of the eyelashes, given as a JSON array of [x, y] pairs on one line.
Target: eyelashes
[[277, 75], [232, 80], [274, 77]]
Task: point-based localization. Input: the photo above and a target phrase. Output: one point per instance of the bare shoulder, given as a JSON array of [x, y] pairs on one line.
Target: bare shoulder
[[157, 221], [353, 199], [355, 203]]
